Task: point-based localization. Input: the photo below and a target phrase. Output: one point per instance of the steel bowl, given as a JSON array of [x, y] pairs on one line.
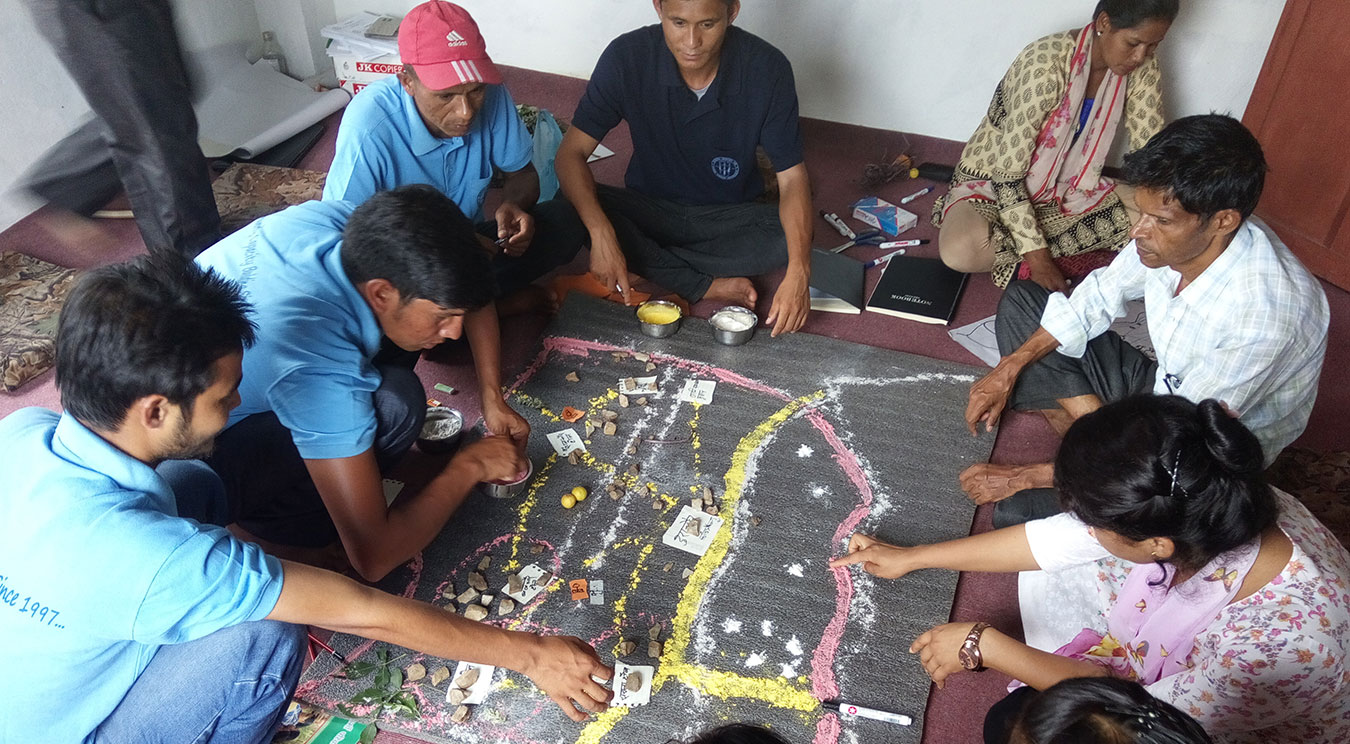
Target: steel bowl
[[660, 330], [441, 430], [733, 325], [500, 490]]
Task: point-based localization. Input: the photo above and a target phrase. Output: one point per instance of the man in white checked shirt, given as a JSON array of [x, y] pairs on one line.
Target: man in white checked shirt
[[1232, 314]]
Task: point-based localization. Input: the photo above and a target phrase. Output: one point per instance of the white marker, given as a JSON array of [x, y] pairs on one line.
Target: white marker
[[916, 195], [902, 244], [849, 709]]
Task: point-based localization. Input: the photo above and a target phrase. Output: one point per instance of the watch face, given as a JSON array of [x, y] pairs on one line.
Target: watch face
[[967, 659]]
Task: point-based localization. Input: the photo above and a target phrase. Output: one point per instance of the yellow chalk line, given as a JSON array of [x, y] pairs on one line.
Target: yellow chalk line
[[772, 690]]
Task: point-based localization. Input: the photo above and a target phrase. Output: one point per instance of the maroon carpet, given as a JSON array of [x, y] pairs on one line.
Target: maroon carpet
[[835, 157]]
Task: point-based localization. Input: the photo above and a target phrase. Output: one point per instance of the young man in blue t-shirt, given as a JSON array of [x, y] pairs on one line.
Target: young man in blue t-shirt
[[447, 120], [341, 293], [126, 615], [699, 96]]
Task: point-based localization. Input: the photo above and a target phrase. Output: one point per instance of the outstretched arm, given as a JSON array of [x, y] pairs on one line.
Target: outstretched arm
[[792, 301], [578, 185], [560, 665], [999, 551]]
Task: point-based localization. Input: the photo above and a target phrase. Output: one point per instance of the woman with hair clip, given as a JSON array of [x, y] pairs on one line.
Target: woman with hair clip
[[1029, 186], [1103, 710], [1222, 596]]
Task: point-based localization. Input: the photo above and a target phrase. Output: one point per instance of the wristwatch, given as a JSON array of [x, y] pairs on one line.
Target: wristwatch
[[969, 653]]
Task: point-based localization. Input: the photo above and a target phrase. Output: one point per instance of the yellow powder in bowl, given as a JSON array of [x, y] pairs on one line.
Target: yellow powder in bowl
[[658, 314]]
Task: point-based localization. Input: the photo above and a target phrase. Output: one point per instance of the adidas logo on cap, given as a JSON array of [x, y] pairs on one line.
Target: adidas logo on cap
[[455, 39]]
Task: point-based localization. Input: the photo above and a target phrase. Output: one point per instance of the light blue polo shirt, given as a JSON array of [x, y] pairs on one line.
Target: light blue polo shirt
[[383, 144], [311, 363], [97, 572]]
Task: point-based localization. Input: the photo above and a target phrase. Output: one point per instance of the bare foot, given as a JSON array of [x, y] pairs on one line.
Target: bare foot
[[986, 483], [736, 290], [529, 299]]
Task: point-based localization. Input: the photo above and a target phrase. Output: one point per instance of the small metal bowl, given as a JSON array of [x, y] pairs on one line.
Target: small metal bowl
[[733, 325], [660, 330], [499, 490], [441, 430]]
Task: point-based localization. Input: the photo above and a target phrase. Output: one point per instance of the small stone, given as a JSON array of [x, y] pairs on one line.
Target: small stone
[[507, 606], [485, 600], [414, 672], [449, 592], [642, 401], [650, 387], [711, 510], [461, 714], [573, 458], [536, 549], [656, 506], [456, 695], [707, 495], [667, 567], [467, 596], [625, 648], [629, 383], [634, 470], [654, 649], [651, 367], [572, 377], [623, 400], [545, 580], [439, 675], [610, 429], [476, 612], [616, 495], [693, 526], [477, 581], [608, 415], [619, 354], [696, 504], [634, 682], [483, 564], [654, 632], [590, 429], [642, 356], [755, 521], [687, 573], [467, 678], [514, 585], [632, 449]]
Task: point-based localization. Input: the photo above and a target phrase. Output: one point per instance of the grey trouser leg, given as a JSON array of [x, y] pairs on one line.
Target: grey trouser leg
[[558, 236], [683, 248], [124, 56]]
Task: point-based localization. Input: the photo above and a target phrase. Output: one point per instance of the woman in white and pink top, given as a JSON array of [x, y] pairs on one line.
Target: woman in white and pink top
[[1222, 596]]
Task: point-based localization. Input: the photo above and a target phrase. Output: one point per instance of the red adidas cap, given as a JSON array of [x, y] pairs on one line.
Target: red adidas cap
[[441, 41]]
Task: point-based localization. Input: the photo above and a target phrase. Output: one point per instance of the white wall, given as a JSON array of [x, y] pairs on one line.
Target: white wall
[[923, 66], [39, 103]]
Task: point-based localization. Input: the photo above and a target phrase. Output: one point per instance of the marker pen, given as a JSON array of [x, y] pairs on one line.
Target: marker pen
[[883, 259], [902, 244], [838, 224], [916, 194], [849, 709]]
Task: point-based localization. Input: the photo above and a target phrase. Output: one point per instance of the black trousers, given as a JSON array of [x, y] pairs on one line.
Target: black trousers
[[683, 248], [558, 235], [125, 58]]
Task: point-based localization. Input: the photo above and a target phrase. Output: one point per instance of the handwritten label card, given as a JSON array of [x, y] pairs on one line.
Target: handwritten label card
[[566, 441], [624, 697], [597, 592], [698, 391], [641, 386], [578, 589], [690, 539], [533, 580], [479, 690]]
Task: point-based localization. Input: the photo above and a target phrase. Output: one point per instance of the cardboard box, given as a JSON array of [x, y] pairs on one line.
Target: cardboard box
[[351, 70], [884, 215]]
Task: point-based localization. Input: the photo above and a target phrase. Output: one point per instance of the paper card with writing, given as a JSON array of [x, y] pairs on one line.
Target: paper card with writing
[[624, 697], [641, 386], [597, 591], [533, 580], [698, 391], [578, 589], [479, 690], [690, 536], [565, 441]]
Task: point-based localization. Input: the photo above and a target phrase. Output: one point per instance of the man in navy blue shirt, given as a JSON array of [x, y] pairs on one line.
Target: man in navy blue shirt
[[699, 96]]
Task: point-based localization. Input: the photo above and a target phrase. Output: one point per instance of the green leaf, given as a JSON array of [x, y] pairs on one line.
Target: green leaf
[[346, 710], [369, 695], [382, 678], [358, 669], [395, 679], [408, 703], [368, 735]]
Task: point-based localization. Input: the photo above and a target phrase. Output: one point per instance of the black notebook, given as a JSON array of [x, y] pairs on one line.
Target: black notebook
[[921, 289], [836, 283]]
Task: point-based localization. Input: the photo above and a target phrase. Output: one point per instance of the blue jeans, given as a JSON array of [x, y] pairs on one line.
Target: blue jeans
[[230, 686]]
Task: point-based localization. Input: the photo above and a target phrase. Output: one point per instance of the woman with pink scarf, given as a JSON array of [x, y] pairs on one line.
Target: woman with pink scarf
[[1028, 188], [1222, 596]]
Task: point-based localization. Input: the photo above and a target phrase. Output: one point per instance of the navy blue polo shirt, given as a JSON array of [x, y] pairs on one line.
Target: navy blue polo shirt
[[687, 149]]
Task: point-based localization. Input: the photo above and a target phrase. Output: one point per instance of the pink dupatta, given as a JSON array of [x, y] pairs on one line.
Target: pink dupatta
[[1064, 170]]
